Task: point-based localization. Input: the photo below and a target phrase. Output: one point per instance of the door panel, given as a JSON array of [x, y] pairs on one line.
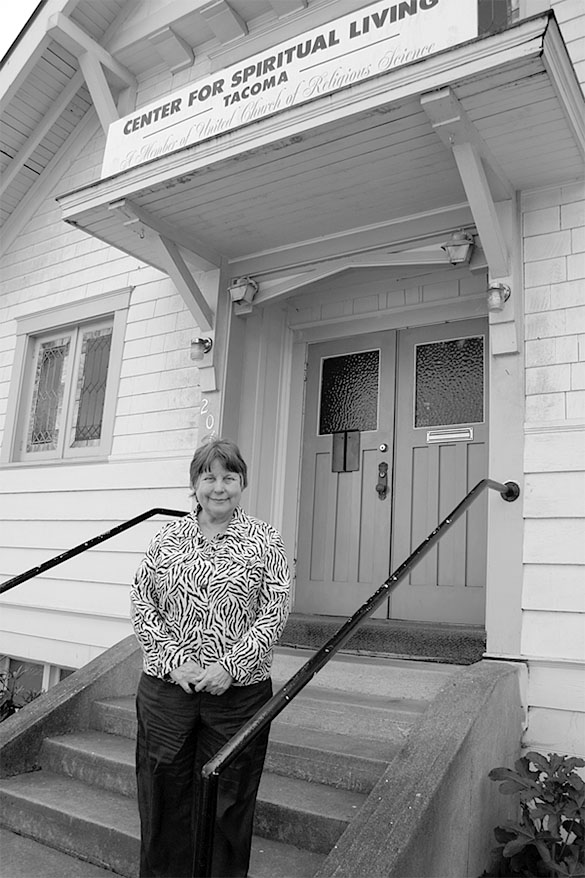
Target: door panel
[[436, 464], [344, 548]]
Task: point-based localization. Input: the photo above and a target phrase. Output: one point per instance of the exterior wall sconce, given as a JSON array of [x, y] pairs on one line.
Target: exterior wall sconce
[[459, 247], [200, 347], [243, 289], [497, 296]]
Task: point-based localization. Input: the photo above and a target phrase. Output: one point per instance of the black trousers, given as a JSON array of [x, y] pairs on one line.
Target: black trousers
[[177, 735]]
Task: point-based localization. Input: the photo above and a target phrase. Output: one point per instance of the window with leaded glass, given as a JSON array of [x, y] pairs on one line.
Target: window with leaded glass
[[64, 382], [68, 390]]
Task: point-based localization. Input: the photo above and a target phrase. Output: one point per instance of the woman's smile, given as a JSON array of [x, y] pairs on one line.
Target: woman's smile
[[218, 492]]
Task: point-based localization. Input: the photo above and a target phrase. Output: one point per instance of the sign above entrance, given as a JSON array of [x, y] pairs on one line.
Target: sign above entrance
[[369, 42]]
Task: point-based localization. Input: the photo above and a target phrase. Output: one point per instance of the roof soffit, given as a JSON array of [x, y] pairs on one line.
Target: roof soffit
[[44, 94]]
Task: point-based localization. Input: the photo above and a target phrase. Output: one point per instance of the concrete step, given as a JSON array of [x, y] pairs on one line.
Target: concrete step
[[322, 755], [288, 808], [98, 828], [370, 699], [398, 681], [343, 729], [95, 758], [311, 815], [92, 824], [25, 858], [327, 757]]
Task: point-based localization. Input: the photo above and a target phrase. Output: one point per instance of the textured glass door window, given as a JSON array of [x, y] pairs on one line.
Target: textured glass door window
[[449, 382], [349, 393]]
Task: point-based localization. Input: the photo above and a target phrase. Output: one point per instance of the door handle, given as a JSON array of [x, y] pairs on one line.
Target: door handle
[[382, 486]]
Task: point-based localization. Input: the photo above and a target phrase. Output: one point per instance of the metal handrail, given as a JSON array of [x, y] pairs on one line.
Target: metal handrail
[[210, 772], [88, 544]]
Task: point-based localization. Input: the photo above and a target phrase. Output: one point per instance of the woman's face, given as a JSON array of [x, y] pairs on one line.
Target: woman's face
[[218, 492]]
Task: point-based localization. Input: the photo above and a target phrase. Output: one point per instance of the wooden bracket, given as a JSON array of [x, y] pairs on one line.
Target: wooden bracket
[[93, 61], [224, 21], [454, 127], [95, 79], [205, 257], [171, 261], [457, 132], [179, 272], [287, 7], [173, 49], [481, 176], [291, 284]]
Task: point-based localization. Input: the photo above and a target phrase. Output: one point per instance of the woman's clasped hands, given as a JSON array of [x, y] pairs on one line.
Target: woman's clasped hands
[[191, 677]]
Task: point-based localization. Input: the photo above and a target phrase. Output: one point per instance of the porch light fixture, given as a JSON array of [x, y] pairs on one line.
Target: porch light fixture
[[200, 347], [459, 247], [243, 289], [497, 296]]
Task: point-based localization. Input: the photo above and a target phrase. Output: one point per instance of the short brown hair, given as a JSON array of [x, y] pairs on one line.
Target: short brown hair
[[224, 450]]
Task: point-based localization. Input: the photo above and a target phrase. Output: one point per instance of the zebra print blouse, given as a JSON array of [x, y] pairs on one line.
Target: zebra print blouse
[[225, 599]]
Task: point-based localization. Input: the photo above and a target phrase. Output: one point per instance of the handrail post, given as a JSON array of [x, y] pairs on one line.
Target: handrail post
[[204, 831]]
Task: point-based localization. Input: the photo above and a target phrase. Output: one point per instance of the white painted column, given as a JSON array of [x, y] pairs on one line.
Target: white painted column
[[506, 452]]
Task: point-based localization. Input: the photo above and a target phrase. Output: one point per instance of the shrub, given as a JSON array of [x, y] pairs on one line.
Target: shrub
[[548, 839], [12, 695]]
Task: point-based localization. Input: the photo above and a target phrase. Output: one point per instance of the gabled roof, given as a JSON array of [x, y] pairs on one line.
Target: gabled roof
[[44, 91]]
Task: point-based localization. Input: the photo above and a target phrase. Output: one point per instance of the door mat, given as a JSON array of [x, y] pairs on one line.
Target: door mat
[[451, 644]]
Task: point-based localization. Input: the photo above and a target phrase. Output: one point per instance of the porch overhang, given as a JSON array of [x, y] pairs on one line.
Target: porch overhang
[[389, 165]]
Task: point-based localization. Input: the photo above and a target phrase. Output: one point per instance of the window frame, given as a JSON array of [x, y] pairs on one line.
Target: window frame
[[53, 320]]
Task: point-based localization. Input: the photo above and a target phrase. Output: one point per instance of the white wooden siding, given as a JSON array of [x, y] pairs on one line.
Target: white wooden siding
[[553, 618], [555, 731], [558, 635], [554, 587], [73, 612], [569, 14], [554, 496], [556, 686]]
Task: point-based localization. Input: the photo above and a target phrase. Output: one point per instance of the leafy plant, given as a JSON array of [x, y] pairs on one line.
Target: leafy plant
[[12, 695], [548, 839]]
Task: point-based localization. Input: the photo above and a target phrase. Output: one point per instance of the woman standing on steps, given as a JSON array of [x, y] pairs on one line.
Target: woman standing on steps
[[209, 601]]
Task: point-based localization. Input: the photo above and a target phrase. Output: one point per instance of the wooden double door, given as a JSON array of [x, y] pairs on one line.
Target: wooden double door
[[395, 435]]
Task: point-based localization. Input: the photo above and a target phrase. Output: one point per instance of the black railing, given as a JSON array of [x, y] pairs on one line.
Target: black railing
[[83, 547], [212, 769]]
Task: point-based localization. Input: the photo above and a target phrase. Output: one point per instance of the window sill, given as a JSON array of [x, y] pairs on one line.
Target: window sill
[[64, 461]]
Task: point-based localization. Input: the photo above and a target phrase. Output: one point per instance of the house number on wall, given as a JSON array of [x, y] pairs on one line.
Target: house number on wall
[[209, 420]]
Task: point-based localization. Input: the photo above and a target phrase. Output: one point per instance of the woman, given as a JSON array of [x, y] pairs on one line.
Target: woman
[[209, 601]]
